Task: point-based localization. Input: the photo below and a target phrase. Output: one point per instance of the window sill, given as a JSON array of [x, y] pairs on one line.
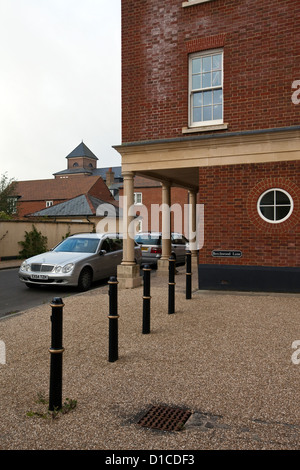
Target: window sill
[[193, 2], [216, 127]]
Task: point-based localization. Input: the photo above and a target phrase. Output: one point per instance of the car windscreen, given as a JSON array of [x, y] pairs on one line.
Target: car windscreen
[[148, 239], [78, 245]]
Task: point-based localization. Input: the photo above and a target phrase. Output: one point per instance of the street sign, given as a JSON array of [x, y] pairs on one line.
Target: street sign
[[226, 253]]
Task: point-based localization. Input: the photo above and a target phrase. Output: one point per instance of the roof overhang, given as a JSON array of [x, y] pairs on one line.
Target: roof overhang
[[176, 160]]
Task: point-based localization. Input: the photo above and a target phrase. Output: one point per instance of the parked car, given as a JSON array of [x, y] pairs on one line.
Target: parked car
[[151, 245], [77, 261]]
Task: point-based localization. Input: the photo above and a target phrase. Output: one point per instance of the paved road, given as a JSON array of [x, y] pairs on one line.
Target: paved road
[[15, 296]]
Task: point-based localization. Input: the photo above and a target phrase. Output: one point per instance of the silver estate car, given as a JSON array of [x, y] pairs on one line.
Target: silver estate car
[[77, 261], [151, 245]]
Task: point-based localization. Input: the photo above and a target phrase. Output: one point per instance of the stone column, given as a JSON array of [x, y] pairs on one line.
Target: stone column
[[163, 262], [128, 271], [192, 227]]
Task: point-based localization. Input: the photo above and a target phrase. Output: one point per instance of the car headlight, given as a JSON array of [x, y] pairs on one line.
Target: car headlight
[[25, 266], [68, 268], [57, 269]]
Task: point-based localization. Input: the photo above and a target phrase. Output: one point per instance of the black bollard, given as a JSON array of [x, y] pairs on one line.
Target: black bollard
[[146, 300], [113, 319], [171, 305], [188, 284], [56, 352]]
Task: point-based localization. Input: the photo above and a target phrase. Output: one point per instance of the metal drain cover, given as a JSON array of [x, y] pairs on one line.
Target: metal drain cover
[[165, 418]]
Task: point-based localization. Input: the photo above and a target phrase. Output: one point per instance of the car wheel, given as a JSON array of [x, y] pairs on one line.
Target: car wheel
[[85, 279]]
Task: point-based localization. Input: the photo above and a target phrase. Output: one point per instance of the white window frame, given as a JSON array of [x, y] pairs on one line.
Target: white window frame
[[136, 197], [12, 204], [49, 203], [213, 122], [271, 205]]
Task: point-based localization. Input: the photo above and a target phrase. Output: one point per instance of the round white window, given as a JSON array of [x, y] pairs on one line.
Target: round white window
[[275, 205]]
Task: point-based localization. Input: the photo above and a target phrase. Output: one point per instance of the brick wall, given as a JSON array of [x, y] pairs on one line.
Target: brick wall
[[101, 191], [29, 207], [152, 196], [261, 46], [230, 195], [98, 190], [81, 162]]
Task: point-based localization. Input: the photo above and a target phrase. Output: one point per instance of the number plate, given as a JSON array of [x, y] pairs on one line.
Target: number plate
[[144, 248], [39, 276]]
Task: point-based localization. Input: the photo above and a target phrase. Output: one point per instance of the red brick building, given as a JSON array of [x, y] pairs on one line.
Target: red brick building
[[82, 177], [210, 104], [35, 195]]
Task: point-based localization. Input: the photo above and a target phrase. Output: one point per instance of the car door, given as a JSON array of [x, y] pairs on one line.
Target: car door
[[179, 246], [116, 253], [113, 247], [105, 269]]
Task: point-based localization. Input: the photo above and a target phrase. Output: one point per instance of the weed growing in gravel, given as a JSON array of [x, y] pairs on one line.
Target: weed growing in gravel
[[67, 406]]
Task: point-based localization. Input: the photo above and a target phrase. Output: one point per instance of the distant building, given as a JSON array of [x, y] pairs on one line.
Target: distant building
[[83, 162], [82, 178], [36, 195], [78, 189], [84, 206]]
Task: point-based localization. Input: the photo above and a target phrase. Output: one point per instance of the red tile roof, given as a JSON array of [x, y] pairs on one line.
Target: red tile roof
[[59, 188]]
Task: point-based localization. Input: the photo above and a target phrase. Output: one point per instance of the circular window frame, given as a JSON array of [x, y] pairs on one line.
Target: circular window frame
[[275, 221]]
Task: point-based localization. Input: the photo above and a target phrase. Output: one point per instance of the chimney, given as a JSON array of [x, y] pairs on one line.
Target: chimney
[[110, 177]]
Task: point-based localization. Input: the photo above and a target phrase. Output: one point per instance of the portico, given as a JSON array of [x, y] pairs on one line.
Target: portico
[[128, 271], [177, 162]]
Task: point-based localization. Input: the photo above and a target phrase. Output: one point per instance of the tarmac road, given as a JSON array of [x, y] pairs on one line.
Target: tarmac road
[[16, 296]]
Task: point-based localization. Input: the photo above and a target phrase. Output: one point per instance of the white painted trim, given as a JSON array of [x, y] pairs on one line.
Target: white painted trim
[[190, 3], [280, 220], [135, 198], [217, 127], [207, 53]]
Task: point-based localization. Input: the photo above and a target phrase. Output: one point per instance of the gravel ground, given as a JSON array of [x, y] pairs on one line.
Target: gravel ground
[[226, 357]]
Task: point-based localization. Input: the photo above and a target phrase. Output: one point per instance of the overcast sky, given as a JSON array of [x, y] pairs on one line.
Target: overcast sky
[[60, 83]]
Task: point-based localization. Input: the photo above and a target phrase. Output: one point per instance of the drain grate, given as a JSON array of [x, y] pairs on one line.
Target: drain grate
[[165, 418]]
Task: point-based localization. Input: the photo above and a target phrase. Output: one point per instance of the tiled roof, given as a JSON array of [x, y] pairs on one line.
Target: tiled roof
[[74, 171], [82, 151], [94, 171], [61, 188], [117, 170], [83, 205]]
